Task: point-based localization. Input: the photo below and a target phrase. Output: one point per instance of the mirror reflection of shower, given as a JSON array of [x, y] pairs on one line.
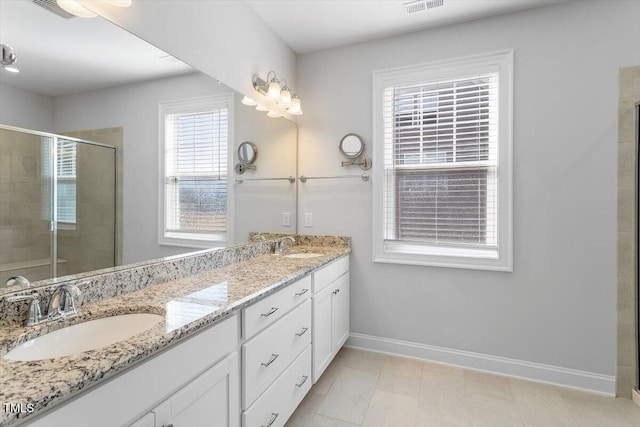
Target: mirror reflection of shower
[[57, 205]]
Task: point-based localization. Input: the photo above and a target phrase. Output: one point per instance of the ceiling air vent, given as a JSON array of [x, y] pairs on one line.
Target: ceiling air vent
[[53, 7], [412, 6]]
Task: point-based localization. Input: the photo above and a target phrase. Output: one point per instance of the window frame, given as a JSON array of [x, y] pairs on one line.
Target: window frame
[[434, 255], [71, 180], [186, 106]]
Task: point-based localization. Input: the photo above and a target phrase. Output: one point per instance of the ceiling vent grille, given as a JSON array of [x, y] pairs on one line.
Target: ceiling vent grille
[[412, 6], [53, 7]]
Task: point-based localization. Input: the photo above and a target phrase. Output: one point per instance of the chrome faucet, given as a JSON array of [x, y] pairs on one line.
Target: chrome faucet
[[61, 304], [280, 244], [258, 238], [22, 281]]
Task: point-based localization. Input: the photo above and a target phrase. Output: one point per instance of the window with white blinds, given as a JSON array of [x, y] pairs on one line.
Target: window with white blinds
[[445, 151], [66, 181], [67, 176], [196, 158]]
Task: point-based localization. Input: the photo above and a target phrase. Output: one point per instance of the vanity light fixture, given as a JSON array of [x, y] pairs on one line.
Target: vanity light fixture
[[273, 114], [261, 107], [75, 7], [278, 91], [285, 96], [248, 101], [9, 58], [273, 91], [295, 106]]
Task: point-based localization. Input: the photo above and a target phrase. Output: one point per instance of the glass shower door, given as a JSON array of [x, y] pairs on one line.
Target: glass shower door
[[25, 205], [86, 206], [57, 202]]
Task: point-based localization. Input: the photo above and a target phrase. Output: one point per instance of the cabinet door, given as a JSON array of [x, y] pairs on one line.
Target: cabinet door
[[321, 338], [339, 312], [210, 400]]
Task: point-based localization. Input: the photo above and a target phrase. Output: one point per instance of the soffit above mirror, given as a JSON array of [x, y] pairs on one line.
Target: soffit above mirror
[[81, 54]]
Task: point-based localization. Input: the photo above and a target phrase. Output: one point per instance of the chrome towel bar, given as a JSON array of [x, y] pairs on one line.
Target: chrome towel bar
[[364, 177], [291, 179]]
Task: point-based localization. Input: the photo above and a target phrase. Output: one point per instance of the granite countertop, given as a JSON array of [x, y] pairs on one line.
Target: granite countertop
[[188, 304]]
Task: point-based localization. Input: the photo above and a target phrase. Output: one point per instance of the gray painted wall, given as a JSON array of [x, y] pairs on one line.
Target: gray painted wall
[[225, 38], [25, 109], [135, 109], [558, 306]]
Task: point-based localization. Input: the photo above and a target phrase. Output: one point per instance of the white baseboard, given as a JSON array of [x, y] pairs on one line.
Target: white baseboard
[[605, 384]]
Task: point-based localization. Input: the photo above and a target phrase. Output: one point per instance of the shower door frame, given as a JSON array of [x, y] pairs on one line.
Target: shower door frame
[[53, 223]]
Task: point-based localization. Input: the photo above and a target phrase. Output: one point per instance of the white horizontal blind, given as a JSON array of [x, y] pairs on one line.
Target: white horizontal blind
[[441, 142], [66, 166], [196, 171]]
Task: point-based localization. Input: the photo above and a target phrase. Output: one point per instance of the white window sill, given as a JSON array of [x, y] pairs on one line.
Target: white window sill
[[193, 240], [474, 259]]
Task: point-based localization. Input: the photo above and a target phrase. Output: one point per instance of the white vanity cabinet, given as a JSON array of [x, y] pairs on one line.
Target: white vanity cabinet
[[193, 377], [209, 400], [276, 356], [253, 368], [330, 313]]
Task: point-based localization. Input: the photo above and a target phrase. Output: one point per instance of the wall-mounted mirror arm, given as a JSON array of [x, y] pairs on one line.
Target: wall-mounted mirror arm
[[352, 147], [364, 162], [241, 168]]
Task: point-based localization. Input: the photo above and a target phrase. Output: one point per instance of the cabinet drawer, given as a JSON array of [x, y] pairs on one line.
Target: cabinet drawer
[[282, 398], [267, 355], [266, 311], [328, 274]]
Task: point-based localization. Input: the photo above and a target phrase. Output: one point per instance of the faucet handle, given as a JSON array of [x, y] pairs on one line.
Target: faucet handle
[[35, 313], [33, 296]]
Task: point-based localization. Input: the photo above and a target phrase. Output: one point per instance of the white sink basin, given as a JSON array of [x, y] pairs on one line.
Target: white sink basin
[[85, 336], [303, 255]]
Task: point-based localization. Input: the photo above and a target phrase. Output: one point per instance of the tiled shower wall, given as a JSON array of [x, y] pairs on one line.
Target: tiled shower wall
[[25, 240], [113, 137], [629, 97]]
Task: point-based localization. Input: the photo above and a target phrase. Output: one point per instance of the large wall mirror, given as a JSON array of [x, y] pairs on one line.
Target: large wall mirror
[[102, 87]]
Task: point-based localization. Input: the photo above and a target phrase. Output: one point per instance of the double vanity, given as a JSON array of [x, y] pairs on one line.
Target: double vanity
[[233, 336]]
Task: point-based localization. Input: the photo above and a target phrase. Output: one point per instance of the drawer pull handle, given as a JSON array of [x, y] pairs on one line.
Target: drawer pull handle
[[302, 332], [304, 291], [304, 380], [270, 312], [273, 358], [336, 292], [273, 418]]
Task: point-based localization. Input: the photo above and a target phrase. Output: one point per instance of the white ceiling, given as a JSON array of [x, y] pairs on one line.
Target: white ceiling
[[308, 25], [58, 56]]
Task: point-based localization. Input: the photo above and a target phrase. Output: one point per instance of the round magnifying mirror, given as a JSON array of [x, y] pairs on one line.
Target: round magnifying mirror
[[247, 153], [351, 146]]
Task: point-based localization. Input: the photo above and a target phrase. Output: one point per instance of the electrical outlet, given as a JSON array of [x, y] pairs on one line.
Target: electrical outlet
[[286, 219], [308, 220]]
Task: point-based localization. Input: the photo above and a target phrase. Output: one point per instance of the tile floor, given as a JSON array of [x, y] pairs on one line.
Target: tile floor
[[362, 388]]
